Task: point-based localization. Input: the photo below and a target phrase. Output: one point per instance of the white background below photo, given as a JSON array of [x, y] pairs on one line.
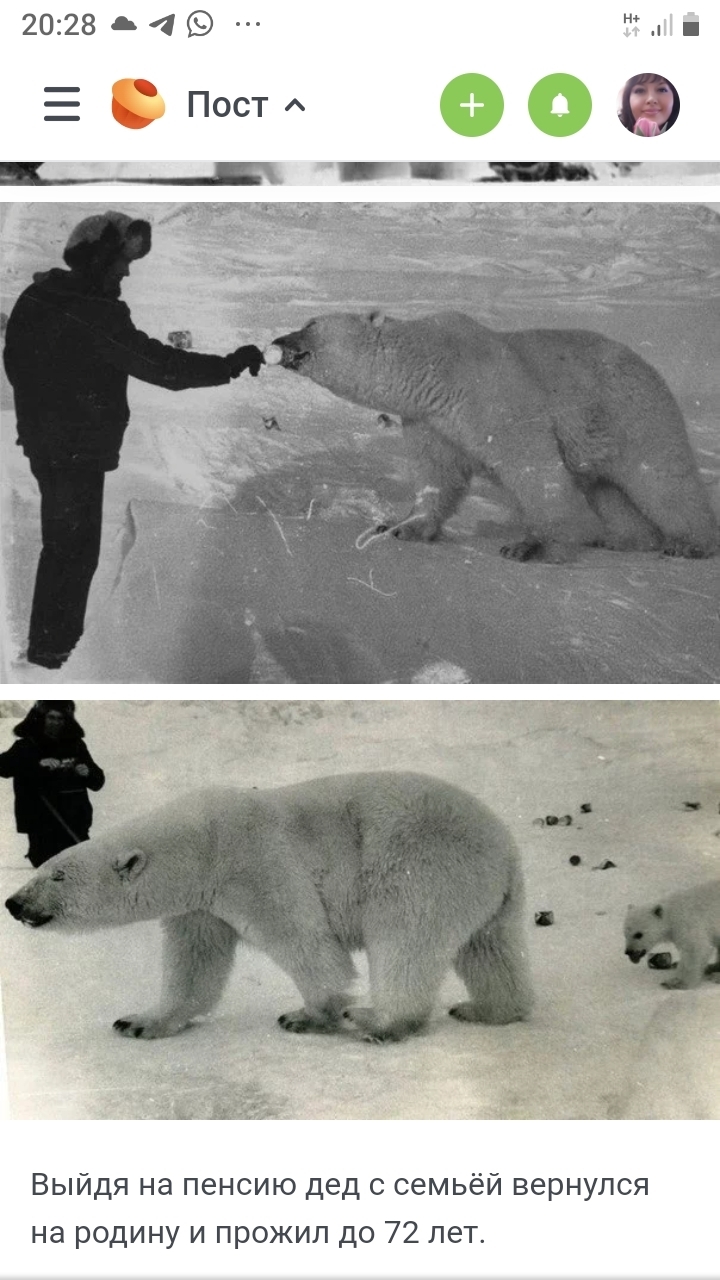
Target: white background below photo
[[669, 1234]]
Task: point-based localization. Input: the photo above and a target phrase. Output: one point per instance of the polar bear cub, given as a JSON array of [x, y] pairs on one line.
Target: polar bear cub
[[690, 919]]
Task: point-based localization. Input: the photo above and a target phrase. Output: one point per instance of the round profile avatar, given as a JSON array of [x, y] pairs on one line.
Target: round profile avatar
[[648, 105]]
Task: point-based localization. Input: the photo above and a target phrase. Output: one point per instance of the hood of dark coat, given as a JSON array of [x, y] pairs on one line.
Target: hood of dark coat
[[32, 727]]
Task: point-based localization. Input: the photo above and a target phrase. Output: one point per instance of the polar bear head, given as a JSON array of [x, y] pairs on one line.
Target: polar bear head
[[140, 871], [644, 928], [342, 352]]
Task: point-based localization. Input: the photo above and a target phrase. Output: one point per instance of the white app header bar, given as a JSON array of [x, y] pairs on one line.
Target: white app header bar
[[277, 81]]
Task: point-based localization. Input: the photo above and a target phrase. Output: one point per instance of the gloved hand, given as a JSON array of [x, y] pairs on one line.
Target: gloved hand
[[249, 357]]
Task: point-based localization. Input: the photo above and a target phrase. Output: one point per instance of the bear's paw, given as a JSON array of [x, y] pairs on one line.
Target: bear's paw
[[417, 528], [140, 1026], [301, 1021], [686, 550]]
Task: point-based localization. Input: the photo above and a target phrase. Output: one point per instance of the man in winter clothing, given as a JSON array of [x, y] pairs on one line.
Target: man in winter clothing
[[70, 348], [51, 769]]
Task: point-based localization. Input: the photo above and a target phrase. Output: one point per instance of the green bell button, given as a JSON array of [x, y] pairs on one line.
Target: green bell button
[[560, 105]]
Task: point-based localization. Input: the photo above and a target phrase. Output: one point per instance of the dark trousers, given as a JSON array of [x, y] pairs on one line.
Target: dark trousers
[[44, 844], [71, 518]]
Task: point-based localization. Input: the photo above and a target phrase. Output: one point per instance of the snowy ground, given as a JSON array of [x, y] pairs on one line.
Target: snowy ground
[[606, 1041], [294, 173], [229, 545]]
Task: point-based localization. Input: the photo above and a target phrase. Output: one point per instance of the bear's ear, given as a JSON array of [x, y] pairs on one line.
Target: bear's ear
[[377, 318], [129, 865], [658, 911]]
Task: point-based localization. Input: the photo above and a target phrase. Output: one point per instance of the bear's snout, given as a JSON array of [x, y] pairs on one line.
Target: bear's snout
[[635, 956], [14, 907], [293, 350], [20, 911]]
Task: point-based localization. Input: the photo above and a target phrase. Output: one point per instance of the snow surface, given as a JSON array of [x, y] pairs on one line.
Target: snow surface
[[294, 173], [605, 1041], [218, 522]]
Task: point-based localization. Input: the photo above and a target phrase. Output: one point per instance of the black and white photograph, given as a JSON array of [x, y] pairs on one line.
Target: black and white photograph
[[294, 173], [360, 443], [342, 910]]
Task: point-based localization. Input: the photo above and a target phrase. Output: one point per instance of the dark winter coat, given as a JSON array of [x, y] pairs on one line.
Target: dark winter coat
[[69, 353], [64, 790]]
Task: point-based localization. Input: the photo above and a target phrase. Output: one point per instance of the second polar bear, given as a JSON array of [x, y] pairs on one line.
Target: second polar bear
[[690, 919], [579, 431], [412, 870]]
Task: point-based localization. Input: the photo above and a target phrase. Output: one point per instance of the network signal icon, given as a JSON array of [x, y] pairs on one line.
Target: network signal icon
[[664, 28], [165, 24]]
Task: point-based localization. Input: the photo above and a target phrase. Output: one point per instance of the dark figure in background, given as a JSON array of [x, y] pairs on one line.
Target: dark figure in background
[[52, 770], [70, 348]]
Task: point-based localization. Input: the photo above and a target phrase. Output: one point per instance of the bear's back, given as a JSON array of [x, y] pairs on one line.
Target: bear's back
[[690, 906]]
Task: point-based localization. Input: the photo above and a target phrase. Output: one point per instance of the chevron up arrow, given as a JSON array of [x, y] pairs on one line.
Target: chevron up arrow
[[295, 103]]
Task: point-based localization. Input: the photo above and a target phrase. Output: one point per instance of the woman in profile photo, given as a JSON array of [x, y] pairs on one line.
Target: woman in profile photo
[[51, 769], [649, 105]]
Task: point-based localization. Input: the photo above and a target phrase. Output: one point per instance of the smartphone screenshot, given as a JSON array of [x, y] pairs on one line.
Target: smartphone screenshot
[[407, 960]]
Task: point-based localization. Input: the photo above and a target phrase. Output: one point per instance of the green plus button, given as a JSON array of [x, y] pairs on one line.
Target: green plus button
[[560, 105], [471, 105]]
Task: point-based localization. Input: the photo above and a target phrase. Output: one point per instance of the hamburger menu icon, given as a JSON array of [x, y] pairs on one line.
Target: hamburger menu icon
[[136, 103]]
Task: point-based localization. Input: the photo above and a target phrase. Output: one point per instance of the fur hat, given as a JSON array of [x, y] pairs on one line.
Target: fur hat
[[34, 723], [99, 240]]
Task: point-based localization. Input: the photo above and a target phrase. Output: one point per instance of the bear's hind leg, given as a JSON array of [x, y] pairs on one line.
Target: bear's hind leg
[[677, 505], [442, 476], [626, 529], [198, 955], [493, 965]]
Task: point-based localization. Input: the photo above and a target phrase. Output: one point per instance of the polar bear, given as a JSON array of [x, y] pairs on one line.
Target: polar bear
[[691, 920], [411, 869], [579, 431]]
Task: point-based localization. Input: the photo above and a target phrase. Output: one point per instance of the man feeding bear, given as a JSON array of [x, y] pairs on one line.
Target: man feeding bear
[[580, 433]]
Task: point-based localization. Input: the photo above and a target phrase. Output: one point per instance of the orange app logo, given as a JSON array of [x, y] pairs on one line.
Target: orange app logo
[[136, 103]]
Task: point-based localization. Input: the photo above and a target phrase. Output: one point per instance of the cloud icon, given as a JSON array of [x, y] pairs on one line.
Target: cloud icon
[[123, 24]]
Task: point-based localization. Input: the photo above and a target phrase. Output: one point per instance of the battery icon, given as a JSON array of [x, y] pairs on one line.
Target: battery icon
[[691, 24]]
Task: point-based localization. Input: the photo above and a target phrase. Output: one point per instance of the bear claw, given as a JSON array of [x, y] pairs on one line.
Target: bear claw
[[146, 1027], [526, 549], [685, 550], [417, 528], [300, 1022]]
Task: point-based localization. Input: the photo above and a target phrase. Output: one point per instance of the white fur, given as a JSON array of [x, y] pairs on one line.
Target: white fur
[[582, 434], [691, 920], [412, 870]]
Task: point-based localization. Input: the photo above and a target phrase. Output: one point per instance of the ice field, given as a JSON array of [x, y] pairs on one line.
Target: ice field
[[605, 1041], [229, 551]]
